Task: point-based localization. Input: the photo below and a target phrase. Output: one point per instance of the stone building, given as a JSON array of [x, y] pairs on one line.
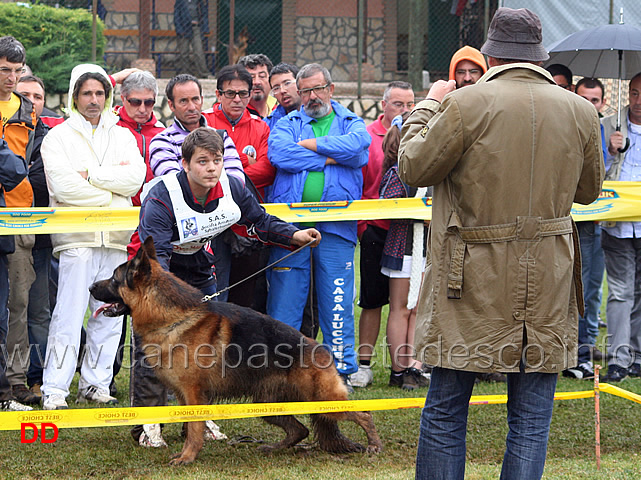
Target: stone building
[[298, 31]]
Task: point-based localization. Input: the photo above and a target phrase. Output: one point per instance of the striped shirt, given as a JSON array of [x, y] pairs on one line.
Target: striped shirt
[[165, 151]]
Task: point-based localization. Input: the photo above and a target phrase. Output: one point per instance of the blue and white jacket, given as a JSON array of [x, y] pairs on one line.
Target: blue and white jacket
[[347, 143]]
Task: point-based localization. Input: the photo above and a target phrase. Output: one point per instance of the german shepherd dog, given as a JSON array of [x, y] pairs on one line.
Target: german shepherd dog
[[255, 356]]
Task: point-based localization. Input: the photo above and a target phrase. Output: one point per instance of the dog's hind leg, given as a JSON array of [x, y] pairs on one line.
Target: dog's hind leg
[[330, 437], [294, 430], [366, 422]]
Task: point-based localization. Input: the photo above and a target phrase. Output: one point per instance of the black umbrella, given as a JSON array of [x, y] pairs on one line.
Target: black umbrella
[[608, 51]]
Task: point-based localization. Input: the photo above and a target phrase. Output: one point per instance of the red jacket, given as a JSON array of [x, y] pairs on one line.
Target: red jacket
[[143, 132], [373, 172], [251, 130]]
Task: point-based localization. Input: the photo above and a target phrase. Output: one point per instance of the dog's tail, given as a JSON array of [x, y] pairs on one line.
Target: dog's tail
[[329, 436]]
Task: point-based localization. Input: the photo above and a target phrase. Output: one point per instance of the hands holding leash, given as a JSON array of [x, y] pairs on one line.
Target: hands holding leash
[[303, 237]]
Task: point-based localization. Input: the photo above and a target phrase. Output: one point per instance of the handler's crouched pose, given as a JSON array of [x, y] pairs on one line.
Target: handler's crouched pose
[[183, 212]]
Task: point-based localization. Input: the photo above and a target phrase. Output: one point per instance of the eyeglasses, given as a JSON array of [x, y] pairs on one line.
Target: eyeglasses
[[232, 93], [277, 88], [5, 72], [472, 71], [565, 86], [409, 105], [136, 102], [317, 90]]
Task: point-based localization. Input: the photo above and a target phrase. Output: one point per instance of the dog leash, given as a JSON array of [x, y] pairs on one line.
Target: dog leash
[[207, 298]]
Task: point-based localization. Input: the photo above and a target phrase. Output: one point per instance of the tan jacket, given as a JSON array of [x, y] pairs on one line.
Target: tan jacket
[[507, 157]]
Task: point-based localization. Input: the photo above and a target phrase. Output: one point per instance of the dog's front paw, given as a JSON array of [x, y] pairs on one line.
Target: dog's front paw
[[374, 449], [181, 459]]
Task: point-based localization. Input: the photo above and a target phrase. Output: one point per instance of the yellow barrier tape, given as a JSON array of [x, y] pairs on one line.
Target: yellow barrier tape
[[105, 417], [619, 201], [619, 392]]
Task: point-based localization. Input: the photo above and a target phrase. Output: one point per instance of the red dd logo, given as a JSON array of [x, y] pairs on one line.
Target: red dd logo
[[43, 432]]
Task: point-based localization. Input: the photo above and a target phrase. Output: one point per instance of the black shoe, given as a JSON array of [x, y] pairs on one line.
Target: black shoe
[[113, 390], [413, 379], [635, 370], [23, 395], [396, 379], [583, 371], [491, 377], [615, 374], [347, 383]]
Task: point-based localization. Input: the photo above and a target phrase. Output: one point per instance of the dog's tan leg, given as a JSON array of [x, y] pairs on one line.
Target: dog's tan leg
[[294, 430], [366, 422], [190, 395], [193, 444]]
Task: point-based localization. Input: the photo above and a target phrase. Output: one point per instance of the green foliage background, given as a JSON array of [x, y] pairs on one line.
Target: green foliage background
[[56, 39]]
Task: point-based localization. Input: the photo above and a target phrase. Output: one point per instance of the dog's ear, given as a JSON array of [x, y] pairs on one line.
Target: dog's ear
[[140, 266], [149, 247]]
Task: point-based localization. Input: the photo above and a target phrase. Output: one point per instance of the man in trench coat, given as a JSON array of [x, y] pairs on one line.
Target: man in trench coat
[[507, 157]]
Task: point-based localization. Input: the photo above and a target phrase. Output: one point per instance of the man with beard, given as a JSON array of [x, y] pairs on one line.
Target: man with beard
[[318, 153], [467, 66], [259, 66]]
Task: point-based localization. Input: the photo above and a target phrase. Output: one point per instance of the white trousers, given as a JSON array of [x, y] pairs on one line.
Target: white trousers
[[79, 268]]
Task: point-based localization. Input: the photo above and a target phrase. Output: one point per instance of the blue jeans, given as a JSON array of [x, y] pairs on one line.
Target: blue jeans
[[5, 388], [441, 445], [592, 268], [38, 314]]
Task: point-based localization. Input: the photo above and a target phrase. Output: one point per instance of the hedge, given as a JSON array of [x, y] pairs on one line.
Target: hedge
[[56, 39]]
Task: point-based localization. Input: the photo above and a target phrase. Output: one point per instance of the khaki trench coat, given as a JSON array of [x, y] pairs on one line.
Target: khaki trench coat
[[507, 157]]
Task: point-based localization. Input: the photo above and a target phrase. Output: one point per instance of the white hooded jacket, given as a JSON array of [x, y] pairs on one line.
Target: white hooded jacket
[[109, 155]]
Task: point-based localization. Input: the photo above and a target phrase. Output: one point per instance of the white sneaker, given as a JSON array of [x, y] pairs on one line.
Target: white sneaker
[[54, 402], [151, 436], [13, 406], [95, 394], [212, 431], [363, 377]]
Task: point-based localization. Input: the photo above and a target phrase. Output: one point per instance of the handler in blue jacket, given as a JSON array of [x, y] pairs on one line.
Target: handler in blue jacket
[[318, 153]]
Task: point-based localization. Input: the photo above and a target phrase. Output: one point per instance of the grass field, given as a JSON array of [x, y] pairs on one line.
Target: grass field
[[111, 452]]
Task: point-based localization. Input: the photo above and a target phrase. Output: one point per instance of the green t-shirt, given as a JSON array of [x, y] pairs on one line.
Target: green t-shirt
[[315, 182]]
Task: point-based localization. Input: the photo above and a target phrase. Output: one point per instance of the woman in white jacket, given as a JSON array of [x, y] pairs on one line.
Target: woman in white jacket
[[89, 162]]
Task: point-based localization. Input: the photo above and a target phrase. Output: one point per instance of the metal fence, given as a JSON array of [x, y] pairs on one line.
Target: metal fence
[[201, 36]]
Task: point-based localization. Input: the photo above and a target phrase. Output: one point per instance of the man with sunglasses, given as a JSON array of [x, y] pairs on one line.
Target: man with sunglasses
[[234, 88], [138, 93], [318, 153]]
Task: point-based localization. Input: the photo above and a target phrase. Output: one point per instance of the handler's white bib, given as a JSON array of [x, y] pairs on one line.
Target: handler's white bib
[[196, 229]]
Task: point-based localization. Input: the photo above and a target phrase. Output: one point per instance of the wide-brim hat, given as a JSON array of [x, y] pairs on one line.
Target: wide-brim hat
[[515, 35]]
